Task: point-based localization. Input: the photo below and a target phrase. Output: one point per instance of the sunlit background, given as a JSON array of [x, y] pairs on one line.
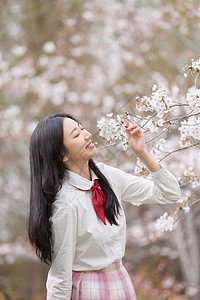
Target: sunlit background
[[90, 58]]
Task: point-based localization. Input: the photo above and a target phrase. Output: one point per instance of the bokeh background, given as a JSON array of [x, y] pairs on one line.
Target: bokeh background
[[90, 58]]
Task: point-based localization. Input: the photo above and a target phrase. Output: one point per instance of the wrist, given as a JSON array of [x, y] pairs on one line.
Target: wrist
[[147, 159], [142, 154]]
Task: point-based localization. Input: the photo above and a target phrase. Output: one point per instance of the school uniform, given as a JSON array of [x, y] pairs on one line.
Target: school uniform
[[87, 254]]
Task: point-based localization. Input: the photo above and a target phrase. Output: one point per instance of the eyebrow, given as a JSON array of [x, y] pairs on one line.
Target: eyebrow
[[74, 129]]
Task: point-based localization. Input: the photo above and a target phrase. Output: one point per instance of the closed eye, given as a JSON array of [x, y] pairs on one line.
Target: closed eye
[[77, 132], [81, 128]]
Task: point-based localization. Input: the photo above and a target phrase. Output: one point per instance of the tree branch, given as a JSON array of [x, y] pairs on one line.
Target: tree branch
[[182, 117], [178, 104], [155, 137], [198, 200], [179, 149], [148, 120]]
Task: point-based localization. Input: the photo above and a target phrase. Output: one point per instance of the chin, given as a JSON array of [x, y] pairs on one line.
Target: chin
[[95, 153]]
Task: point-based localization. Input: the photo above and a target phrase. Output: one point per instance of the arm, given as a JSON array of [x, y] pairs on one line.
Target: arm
[[59, 280], [163, 189]]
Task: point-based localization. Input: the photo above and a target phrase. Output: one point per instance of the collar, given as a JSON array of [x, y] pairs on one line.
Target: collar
[[79, 181]]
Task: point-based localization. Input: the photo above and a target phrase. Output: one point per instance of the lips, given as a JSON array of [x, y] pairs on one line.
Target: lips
[[89, 145]]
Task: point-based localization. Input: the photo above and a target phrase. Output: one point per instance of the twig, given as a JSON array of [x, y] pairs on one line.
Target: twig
[[183, 117], [135, 116], [183, 212], [179, 149], [179, 104], [158, 135], [148, 120], [106, 146]]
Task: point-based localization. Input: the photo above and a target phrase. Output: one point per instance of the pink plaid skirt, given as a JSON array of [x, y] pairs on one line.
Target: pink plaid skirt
[[106, 284]]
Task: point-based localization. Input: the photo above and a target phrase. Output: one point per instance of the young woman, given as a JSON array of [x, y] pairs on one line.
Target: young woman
[[77, 223]]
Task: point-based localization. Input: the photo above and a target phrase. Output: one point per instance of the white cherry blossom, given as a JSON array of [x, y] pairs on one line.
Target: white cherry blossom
[[193, 67], [113, 129], [49, 47], [186, 209], [158, 148], [158, 102], [193, 98], [164, 223], [189, 131], [190, 176], [196, 65], [140, 169]]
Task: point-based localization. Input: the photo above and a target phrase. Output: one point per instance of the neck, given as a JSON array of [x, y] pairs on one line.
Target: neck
[[82, 169]]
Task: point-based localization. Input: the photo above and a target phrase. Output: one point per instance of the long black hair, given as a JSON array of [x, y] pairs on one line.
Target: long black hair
[[47, 172]]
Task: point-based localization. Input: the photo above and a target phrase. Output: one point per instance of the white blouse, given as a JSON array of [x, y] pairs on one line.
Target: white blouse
[[80, 240]]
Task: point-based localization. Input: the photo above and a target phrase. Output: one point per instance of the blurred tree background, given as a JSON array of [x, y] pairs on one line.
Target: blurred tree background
[[90, 58]]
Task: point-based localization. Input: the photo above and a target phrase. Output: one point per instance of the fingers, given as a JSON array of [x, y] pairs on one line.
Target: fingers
[[133, 129]]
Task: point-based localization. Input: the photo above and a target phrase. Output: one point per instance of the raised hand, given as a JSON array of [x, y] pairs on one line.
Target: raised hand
[[135, 138]]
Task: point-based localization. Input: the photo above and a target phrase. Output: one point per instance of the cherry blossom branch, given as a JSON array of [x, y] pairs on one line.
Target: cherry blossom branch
[[187, 124], [179, 149], [159, 104], [161, 133], [110, 145], [178, 104], [170, 120], [148, 120], [183, 211], [135, 116], [182, 117]]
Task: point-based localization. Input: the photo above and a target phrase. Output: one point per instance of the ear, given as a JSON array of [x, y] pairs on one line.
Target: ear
[[65, 159]]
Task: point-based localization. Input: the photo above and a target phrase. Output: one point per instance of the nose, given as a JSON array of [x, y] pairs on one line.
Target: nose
[[87, 135]]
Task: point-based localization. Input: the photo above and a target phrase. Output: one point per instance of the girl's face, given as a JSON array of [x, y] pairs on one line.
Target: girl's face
[[77, 141]]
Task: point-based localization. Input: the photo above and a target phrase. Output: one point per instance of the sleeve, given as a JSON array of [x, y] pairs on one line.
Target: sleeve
[[59, 280], [163, 188]]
